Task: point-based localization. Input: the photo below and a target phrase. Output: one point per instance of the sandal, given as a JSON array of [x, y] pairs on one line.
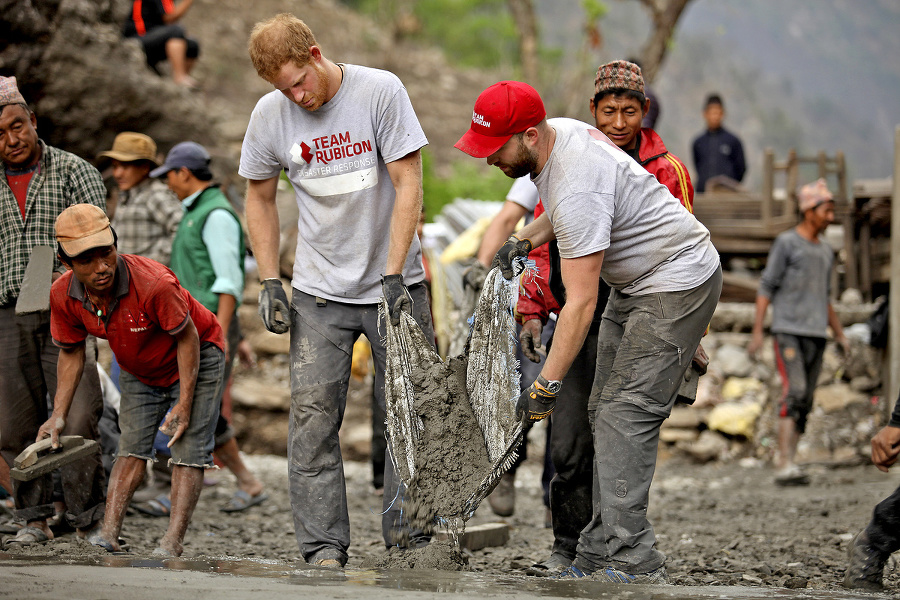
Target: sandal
[[27, 536], [160, 506], [242, 501]]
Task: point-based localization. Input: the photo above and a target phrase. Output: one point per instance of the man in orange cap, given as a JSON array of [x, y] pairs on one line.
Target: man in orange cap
[[170, 348]]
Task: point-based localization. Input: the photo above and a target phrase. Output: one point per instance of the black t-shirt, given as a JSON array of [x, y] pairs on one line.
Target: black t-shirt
[[149, 15]]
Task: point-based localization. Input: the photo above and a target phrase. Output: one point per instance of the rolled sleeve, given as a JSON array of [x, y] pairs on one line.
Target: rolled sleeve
[[222, 236]]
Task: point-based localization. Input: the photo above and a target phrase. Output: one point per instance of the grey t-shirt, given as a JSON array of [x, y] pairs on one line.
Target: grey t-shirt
[[335, 158], [524, 193], [797, 281], [598, 198]]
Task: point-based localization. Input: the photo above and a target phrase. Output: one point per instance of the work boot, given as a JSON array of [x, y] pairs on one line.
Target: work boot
[[866, 567], [503, 498], [549, 567], [613, 575]]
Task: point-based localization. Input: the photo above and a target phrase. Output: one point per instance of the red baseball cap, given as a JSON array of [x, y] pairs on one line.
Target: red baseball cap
[[501, 111]]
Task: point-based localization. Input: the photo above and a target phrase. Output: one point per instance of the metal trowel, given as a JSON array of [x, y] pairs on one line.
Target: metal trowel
[[34, 294], [40, 457]]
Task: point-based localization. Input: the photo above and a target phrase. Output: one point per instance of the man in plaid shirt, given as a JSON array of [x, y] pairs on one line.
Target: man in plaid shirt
[[38, 183]]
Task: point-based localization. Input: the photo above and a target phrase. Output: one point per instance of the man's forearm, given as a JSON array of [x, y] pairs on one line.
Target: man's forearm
[[69, 368], [406, 175], [177, 12], [538, 232], [188, 356], [225, 314], [762, 305], [568, 338], [263, 226], [499, 231]]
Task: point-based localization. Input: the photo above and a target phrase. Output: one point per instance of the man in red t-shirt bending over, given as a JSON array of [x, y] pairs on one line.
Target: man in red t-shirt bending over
[[170, 348]]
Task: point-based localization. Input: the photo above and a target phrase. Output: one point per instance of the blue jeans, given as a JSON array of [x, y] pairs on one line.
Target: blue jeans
[[143, 407]]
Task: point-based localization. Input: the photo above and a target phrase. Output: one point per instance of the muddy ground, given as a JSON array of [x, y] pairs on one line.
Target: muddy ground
[[719, 524]]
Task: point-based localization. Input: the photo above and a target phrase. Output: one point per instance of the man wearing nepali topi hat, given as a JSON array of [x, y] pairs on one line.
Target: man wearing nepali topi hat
[[797, 283], [41, 181]]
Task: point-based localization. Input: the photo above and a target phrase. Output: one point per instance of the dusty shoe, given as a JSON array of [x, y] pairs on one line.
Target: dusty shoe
[[613, 575], [550, 567], [866, 568], [503, 498], [791, 475], [329, 563]]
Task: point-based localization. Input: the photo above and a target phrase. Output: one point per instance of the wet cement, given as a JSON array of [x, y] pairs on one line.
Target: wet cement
[[451, 456], [149, 578]]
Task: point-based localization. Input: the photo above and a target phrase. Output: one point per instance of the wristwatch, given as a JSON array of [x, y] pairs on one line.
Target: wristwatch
[[552, 386]]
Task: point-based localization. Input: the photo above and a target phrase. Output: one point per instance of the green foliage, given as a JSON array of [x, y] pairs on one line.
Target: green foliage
[[472, 33], [594, 10], [468, 180]]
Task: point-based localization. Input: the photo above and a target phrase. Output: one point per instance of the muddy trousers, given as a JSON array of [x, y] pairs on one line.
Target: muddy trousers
[[799, 360], [645, 345], [322, 336], [572, 451], [27, 377], [884, 528]]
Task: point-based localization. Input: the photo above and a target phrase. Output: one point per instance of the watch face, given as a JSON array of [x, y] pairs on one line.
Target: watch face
[[554, 386]]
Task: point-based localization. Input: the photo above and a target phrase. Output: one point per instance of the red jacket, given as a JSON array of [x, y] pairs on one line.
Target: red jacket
[[535, 298]]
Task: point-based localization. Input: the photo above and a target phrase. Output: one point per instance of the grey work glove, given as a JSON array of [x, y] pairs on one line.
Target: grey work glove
[[537, 401], [506, 257], [530, 339], [397, 296], [274, 308], [473, 277]]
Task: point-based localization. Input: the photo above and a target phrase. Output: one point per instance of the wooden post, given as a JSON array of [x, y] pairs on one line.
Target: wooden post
[[894, 312], [768, 188]]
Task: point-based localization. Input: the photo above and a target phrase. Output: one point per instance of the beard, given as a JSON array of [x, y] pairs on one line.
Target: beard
[[524, 163], [321, 91]]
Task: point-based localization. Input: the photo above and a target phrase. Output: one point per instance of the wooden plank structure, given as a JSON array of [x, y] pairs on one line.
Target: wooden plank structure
[[743, 223], [871, 227]]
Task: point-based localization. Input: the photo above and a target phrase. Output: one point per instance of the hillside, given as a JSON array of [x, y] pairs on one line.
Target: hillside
[[442, 95], [805, 74]]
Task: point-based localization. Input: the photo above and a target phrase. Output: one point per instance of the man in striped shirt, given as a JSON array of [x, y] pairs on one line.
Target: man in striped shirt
[[38, 183]]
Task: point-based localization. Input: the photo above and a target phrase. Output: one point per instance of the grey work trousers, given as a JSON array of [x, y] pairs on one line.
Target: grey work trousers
[[645, 345], [322, 338], [27, 378]]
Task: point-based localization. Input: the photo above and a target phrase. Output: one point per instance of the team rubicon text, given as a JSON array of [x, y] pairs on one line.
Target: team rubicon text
[[333, 147]]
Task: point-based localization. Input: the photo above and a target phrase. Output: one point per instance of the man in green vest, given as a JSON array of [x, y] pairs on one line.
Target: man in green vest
[[208, 258]]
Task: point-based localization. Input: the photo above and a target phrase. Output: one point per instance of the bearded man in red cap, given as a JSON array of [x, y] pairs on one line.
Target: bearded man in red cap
[[171, 350], [41, 181], [611, 219], [618, 106]]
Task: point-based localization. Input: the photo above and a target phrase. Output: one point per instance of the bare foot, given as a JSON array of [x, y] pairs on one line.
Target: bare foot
[[173, 548]]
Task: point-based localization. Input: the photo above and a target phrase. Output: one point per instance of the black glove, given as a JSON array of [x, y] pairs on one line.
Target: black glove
[[530, 340], [397, 296], [473, 277], [511, 250], [537, 402], [274, 308]]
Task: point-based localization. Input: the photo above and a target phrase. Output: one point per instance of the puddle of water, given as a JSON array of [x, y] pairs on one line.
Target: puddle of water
[[459, 583]]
